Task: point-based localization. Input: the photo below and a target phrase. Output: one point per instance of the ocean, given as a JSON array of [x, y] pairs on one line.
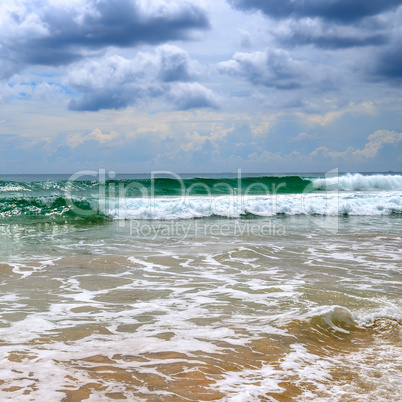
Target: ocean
[[229, 287]]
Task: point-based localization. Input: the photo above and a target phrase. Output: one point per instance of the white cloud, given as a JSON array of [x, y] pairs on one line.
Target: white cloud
[[376, 142], [116, 82], [76, 139], [192, 95], [324, 119], [303, 137], [272, 68]]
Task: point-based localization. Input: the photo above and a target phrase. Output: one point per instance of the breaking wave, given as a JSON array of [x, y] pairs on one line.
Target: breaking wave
[[168, 198]]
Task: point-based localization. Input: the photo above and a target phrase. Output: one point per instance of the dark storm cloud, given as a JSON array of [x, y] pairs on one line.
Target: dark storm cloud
[[41, 32], [116, 82], [335, 42], [330, 36], [388, 64], [331, 24], [345, 11]]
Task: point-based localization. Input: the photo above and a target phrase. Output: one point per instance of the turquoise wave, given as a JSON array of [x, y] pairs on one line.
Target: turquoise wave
[[161, 198], [54, 208], [76, 200], [165, 186]]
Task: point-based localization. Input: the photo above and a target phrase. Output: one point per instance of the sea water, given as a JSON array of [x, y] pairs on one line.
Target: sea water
[[201, 288]]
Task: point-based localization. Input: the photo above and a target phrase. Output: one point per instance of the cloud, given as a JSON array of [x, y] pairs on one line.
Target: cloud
[[325, 119], [331, 35], [345, 11], [376, 142], [322, 158], [278, 69], [192, 95], [111, 83], [301, 137], [175, 64], [388, 63], [272, 68], [333, 24], [76, 139], [58, 33], [116, 82]]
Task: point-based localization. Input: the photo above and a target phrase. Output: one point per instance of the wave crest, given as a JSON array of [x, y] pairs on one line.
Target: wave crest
[[359, 182]]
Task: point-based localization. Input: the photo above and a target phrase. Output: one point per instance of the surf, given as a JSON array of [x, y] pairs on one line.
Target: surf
[[167, 198]]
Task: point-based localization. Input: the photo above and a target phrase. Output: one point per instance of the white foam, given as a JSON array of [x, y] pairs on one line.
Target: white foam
[[26, 329], [250, 384], [391, 312], [12, 187], [26, 270], [214, 298], [358, 182], [305, 365], [328, 204]]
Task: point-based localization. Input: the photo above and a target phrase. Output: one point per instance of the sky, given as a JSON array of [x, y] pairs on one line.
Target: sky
[[205, 86]]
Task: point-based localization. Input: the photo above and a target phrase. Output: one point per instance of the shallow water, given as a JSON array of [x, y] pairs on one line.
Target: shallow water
[[273, 308]]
